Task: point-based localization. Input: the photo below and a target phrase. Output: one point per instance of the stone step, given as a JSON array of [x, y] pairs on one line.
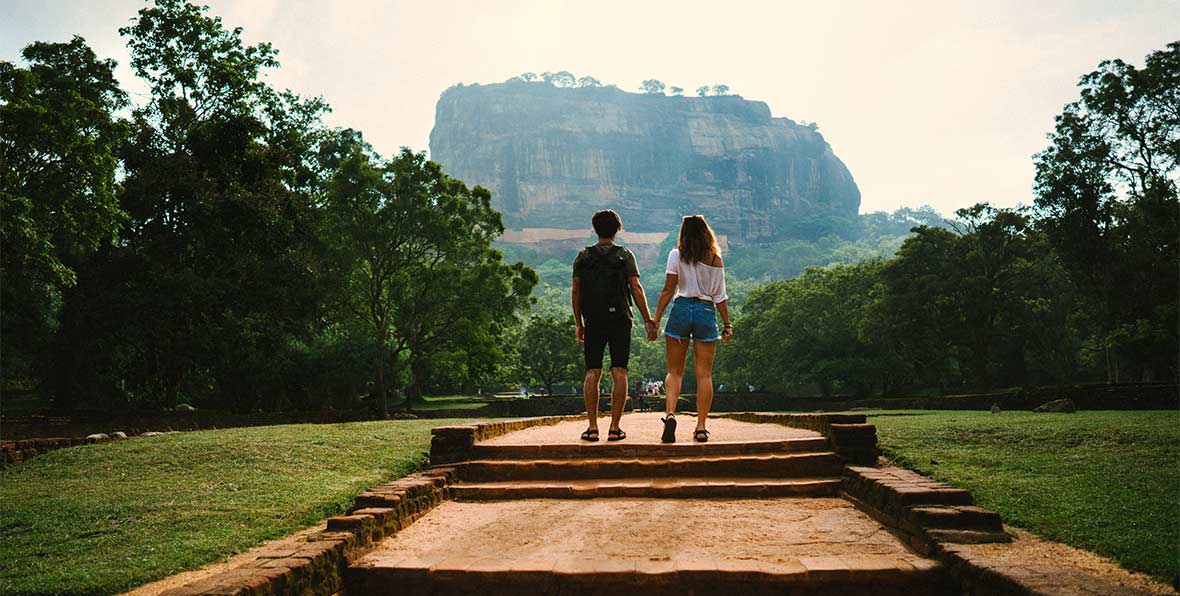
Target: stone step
[[955, 517], [774, 465], [675, 487], [623, 448], [809, 576]]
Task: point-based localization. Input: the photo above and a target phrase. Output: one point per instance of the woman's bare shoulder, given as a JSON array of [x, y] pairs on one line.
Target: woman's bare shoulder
[[717, 262]]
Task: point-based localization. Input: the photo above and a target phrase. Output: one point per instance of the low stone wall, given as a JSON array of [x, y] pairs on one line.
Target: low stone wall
[[315, 565], [451, 444], [1127, 396], [15, 452], [922, 511], [850, 437]]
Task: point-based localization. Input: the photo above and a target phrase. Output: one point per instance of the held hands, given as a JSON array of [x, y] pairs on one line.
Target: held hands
[[652, 329]]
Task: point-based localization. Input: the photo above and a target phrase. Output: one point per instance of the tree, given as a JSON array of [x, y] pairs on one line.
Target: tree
[[413, 246], [652, 86], [589, 81], [804, 330], [562, 78], [966, 305], [58, 192], [210, 279], [703, 90], [528, 76], [548, 350], [1107, 198], [720, 89], [677, 90]]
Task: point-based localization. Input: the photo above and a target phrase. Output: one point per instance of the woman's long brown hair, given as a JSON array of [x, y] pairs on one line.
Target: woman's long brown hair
[[697, 242]]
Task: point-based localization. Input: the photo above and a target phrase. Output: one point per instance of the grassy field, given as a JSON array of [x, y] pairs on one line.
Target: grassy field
[[1104, 481], [100, 519]]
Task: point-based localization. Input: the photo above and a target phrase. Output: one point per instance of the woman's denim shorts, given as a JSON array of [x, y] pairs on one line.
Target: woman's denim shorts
[[692, 319]]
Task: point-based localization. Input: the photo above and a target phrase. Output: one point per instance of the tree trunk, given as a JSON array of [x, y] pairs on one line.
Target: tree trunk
[[382, 406]]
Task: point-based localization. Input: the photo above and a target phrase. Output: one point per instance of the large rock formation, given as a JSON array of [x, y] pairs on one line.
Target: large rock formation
[[552, 156]]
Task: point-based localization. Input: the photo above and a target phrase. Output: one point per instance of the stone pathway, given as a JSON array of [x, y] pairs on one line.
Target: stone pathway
[[776, 504], [751, 511]]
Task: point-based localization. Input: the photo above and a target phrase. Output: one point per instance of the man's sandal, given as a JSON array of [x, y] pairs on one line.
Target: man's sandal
[[591, 435], [700, 436], [615, 434]]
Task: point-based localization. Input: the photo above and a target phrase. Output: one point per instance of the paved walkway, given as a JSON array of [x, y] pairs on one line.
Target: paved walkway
[[539, 511], [644, 428]]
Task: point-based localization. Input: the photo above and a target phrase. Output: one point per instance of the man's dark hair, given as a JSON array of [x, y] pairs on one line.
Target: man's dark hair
[[606, 223]]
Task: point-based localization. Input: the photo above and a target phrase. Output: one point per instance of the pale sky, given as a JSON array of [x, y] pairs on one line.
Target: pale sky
[[938, 102]]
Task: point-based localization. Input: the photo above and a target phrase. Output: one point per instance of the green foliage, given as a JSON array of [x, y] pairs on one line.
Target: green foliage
[[1102, 481], [1107, 194], [412, 250], [548, 351], [58, 143], [102, 519], [674, 90], [804, 330], [229, 263]]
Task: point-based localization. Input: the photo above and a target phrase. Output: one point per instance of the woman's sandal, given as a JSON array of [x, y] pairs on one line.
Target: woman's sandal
[[669, 435], [700, 436], [615, 434], [591, 435]]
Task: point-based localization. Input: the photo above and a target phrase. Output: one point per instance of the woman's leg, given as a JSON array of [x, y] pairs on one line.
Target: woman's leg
[[677, 350], [703, 352]]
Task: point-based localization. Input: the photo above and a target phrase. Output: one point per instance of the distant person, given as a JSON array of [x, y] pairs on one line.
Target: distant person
[[695, 285], [606, 281]]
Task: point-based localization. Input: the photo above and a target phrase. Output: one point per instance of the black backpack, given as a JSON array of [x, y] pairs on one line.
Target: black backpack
[[604, 288]]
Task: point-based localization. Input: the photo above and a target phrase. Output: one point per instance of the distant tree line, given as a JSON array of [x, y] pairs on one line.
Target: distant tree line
[[218, 244], [566, 79], [1082, 285]]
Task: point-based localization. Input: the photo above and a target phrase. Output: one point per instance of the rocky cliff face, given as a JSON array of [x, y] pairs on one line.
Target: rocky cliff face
[[553, 156]]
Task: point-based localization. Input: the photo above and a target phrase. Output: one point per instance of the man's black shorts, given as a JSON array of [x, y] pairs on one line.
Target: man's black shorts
[[613, 332]]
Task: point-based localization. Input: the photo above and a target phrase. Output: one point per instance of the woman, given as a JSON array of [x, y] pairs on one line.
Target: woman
[[695, 284]]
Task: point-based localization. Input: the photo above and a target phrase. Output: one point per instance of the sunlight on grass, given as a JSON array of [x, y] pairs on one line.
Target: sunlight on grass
[[1105, 481], [101, 519]]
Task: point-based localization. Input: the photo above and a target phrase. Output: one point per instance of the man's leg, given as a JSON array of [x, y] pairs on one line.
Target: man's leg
[[592, 350], [618, 395], [590, 392]]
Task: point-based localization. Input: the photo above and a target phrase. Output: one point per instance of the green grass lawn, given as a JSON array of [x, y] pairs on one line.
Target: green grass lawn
[[1103, 481], [101, 519]]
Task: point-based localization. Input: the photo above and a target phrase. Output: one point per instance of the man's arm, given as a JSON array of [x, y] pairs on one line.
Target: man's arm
[[641, 301], [576, 299]]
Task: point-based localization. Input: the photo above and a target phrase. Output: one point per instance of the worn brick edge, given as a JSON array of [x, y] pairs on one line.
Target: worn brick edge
[[937, 520], [850, 437], [314, 565], [21, 450], [452, 444]]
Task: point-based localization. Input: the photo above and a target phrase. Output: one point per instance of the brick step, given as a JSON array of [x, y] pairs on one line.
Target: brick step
[[677, 487], [765, 465], [624, 448], [815, 576], [955, 517]]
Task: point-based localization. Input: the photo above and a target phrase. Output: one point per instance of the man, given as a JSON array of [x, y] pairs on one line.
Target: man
[[606, 281]]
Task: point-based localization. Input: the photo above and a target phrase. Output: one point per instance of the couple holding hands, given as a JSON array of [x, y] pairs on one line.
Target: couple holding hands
[[606, 282]]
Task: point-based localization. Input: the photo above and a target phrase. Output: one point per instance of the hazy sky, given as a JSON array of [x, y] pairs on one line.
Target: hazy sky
[[935, 102]]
